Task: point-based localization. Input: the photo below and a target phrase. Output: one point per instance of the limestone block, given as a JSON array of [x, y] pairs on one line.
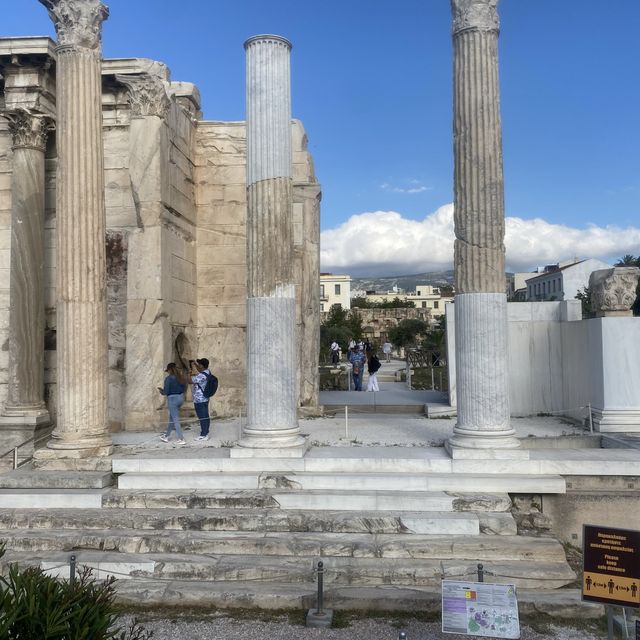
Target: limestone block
[[145, 255], [214, 275], [207, 193], [144, 311], [183, 314], [227, 234], [182, 269], [182, 291], [222, 294], [121, 217], [235, 194], [215, 316], [226, 256]]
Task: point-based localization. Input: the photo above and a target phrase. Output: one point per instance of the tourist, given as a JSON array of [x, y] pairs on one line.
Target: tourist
[[357, 359], [387, 347], [335, 352], [352, 344], [200, 401], [373, 364], [174, 388]]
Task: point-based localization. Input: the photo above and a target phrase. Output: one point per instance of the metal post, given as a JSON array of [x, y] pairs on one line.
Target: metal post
[[480, 573], [439, 380], [346, 422], [72, 569], [15, 458], [590, 418], [433, 384], [320, 603], [402, 635], [609, 609]]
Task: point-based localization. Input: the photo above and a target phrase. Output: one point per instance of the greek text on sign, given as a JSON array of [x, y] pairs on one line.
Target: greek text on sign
[[480, 609], [611, 566]]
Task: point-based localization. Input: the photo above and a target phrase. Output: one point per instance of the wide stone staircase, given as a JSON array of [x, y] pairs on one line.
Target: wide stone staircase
[[205, 528]]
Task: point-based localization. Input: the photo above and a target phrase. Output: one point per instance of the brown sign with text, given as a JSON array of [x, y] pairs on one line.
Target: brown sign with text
[[611, 566]]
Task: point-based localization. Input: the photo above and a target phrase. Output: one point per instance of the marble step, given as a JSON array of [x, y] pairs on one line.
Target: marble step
[[30, 479], [309, 500], [267, 520], [337, 571], [348, 482], [51, 498], [476, 548]]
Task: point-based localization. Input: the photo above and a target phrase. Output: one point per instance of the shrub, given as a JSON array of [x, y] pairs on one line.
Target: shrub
[[34, 606]]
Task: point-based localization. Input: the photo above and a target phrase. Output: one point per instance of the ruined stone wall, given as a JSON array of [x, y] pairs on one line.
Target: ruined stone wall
[[5, 246], [221, 204]]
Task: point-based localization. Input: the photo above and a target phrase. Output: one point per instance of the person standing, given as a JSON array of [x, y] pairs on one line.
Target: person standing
[[199, 373], [387, 347], [335, 352], [358, 360], [373, 364], [173, 389]]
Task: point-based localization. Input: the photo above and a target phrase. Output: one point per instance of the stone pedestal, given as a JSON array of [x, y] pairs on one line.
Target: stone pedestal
[[82, 425], [479, 256], [272, 387], [25, 412]]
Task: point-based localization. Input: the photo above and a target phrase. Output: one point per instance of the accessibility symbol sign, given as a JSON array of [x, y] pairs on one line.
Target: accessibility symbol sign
[[611, 566]]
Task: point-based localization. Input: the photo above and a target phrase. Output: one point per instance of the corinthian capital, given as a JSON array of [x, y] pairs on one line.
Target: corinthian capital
[[29, 130], [480, 15], [78, 22], [613, 291], [147, 95]]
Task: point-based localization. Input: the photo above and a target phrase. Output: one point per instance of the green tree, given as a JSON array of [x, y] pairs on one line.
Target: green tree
[[406, 332], [585, 298]]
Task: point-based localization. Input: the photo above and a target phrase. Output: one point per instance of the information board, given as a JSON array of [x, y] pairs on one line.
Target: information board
[[611, 566], [480, 609]]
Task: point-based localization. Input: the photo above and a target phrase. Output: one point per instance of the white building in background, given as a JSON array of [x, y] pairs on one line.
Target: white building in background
[[425, 296], [334, 290], [562, 281]]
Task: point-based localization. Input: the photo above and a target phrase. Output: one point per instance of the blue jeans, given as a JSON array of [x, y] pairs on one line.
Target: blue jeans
[[174, 403], [357, 381], [202, 411]]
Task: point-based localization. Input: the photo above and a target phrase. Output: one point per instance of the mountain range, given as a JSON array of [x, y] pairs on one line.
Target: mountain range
[[406, 283]]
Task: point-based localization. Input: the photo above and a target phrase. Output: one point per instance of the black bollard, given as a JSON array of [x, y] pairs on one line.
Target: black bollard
[[320, 602], [480, 573], [402, 635], [72, 569]]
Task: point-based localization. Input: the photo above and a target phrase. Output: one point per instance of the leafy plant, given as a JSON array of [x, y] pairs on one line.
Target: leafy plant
[[35, 605]]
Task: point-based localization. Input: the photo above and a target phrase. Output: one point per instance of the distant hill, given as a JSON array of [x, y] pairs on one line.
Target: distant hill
[[407, 283]]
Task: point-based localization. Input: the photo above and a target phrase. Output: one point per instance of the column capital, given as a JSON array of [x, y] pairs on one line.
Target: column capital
[[147, 94], [78, 23], [475, 15], [28, 130]]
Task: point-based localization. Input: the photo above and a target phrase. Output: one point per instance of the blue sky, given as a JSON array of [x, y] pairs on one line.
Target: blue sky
[[372, 82]]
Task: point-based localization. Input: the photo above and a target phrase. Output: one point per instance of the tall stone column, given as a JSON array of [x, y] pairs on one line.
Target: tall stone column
[[479, 254], [25, 409], [82, 426], [272, 388]]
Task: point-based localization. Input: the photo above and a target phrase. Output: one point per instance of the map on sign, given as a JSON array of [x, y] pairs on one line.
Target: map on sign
[[480, 609]]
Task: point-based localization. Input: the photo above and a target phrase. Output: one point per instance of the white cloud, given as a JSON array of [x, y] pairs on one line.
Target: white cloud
[[385, 243], [415, 186]]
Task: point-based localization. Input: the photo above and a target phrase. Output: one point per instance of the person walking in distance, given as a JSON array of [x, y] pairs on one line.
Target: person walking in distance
[[358, 360], [373, 364], [199, 380], [387, 347], [175, 384], [335, 352]]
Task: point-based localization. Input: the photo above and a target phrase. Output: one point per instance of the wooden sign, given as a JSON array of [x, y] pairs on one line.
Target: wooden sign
[[611, 566]]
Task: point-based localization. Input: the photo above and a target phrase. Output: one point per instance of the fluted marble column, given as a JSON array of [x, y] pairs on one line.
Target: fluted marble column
[[479, 255], [272, 389], [25, 401], [82, 426]]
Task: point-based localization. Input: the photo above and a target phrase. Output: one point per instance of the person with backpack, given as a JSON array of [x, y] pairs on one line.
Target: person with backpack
[[357, 359], [373, 364], [204, 386], [175, 384]]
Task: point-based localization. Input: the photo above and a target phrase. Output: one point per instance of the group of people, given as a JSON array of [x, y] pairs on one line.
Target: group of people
[[361, 354], [175, 386]]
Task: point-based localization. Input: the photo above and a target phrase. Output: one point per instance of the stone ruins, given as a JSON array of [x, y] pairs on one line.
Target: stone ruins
[[135, 233], [171, 281]]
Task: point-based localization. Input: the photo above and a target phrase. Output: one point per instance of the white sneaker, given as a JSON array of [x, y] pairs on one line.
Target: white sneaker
[[164, 438], [181, 442], [202, 438]]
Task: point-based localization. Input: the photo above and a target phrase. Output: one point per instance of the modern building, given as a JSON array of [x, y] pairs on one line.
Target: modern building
[[562, 281], [425, 296], [334, 289]]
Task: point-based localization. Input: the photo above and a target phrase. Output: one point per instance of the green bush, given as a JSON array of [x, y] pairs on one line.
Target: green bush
[[35, 606]]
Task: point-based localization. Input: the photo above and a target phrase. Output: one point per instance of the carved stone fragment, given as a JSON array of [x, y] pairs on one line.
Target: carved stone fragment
[[613, 291], [78, 23], [29, 130], [147, 95]]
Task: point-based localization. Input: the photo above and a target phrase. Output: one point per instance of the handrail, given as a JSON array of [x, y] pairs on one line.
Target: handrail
[[14, 450]]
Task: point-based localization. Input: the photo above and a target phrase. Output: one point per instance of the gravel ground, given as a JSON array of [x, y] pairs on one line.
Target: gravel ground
[[363, 629]]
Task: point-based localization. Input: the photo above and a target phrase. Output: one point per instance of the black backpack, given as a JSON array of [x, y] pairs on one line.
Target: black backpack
[[210, 386], [374, 364]]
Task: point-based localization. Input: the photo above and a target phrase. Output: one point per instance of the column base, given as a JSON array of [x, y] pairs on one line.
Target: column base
[[281, 443], [465, 444], [80, 454], [20, 430]]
